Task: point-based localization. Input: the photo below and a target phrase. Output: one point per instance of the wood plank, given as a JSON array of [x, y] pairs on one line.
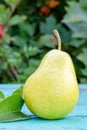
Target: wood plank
[[76, 120]]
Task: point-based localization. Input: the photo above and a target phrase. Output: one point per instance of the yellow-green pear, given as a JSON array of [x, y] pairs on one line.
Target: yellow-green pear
[[51, 92]]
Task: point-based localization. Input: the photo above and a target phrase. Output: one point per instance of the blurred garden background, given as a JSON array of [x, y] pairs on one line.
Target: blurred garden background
[[26, 35]]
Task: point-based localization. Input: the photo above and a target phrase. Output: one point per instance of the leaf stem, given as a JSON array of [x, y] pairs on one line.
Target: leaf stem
[[58, 38], [14, 72], [12, 9]]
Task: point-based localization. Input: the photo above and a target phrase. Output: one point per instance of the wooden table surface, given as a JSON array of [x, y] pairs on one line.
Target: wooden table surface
[[76, 120]]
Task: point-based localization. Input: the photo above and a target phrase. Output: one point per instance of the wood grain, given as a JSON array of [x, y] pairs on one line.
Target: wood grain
[[76, 120]]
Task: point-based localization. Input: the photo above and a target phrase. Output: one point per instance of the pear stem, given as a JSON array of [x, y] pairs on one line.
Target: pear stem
[[58, 38]]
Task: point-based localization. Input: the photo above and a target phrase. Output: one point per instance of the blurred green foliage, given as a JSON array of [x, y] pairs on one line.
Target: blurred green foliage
[[28, 35]]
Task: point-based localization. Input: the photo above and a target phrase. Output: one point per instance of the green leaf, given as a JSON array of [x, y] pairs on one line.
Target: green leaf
[[83, 80], [11, 103], [1, 95], [17, 19], [47, 41], [33, 64], [28, 28], [73, 10], [30, 51], [83, 3], [19, 91], [84, 72], [7, 38], [10, 108], [4, 14], [65, 34], [76, 19], [79, 30], [13, 116], [33, 51], [76, 42], [12, 2], [49, 25], [83, 56], [19, 41]]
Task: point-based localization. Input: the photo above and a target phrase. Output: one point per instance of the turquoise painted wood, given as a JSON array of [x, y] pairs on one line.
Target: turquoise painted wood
[[76, 120]]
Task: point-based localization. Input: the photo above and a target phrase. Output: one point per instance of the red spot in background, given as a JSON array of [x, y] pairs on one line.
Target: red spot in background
[[1, 31], [52, 40]]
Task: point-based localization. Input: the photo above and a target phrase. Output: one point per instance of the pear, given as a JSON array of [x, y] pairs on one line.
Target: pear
[[52, 92]]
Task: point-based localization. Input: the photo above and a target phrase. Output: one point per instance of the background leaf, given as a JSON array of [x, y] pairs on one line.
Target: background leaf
[[12, 2], [22, 41], [4, 13], [83, 56], [16, 19], [76, 19], [74, 9], [28, 28], [47, 41], [49, 25]]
